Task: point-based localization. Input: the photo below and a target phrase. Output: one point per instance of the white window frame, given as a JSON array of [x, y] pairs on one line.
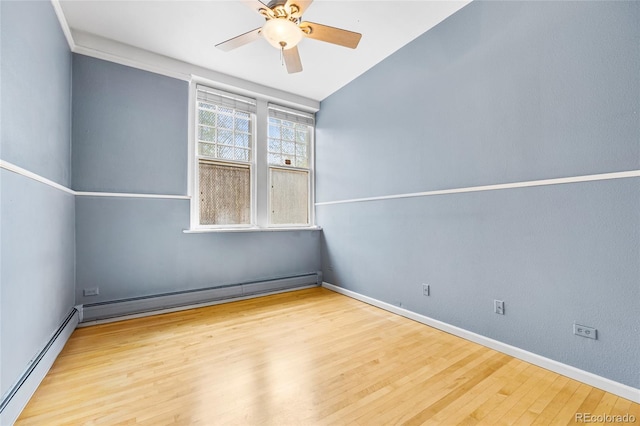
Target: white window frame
[[288, 114], [194, 154], [259, 169]]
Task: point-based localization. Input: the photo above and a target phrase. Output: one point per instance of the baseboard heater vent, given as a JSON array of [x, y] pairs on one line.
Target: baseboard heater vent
[[138, 305]]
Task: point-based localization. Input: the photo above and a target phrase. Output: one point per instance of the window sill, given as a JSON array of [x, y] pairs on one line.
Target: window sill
[[252, 229]]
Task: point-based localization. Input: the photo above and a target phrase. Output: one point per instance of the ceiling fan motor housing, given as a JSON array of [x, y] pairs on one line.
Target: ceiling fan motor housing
[[281, 9]]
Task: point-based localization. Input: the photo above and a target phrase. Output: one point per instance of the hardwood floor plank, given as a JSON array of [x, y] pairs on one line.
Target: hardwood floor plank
[[568, 413], [483, 412], [606, 404], [472, 380], [431, 387], [530, 395], [513, 394], [535, 409], [590, 403], [460, 411], [310, 357]]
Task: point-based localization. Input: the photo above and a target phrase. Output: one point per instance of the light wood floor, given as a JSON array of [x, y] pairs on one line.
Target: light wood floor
[[310, 357]]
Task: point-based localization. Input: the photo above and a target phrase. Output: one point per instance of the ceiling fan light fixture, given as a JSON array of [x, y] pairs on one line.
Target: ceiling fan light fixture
[[282, 33]]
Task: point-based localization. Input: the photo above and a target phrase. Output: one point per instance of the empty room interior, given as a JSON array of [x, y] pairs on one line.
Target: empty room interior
[[319, 212]]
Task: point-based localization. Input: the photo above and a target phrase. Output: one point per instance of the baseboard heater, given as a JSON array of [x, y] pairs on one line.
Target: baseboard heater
[[138, 305], [16, 398]]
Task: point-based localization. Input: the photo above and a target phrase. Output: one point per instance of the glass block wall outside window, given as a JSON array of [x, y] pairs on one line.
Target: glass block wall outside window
[[289, 159], [224, 150], [288, 143], [223, 133]]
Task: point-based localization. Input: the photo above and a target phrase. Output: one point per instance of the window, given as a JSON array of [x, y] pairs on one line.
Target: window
[[242, 180], [289, 141], [224, 156]]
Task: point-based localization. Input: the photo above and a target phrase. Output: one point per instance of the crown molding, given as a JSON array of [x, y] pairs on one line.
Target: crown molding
[[110, 50], [64, 25], [88, 44]]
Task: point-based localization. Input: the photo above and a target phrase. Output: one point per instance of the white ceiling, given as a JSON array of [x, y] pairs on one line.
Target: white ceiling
[[189, 30]]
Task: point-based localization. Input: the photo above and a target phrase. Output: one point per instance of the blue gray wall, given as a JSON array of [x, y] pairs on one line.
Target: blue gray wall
[[129, 129], [130, 135], [499, 92], [37, 220]]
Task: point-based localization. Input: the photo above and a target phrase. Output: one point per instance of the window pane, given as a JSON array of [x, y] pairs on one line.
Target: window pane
[[225, 137], [301, 150], [288, 147], [242, 140], [225, 152], [288, 133], [289, 197], [225, 194], [225, 121], [207, 117], [242, 125], [207, 134], [241, 154], [274, 145], [275, 158], [301, 163], [207, 149], [274, 131]]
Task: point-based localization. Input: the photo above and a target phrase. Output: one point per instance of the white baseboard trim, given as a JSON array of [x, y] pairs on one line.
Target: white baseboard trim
[[591, 379], [170, 302], [17, 397]]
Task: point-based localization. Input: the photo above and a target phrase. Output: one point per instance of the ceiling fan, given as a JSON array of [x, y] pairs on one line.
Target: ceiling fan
[[284, 29]]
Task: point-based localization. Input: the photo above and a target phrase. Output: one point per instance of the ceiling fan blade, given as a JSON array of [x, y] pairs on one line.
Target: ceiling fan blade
[[240, 40], [301, 5], [259, 7], [292, 60], [331, 34]]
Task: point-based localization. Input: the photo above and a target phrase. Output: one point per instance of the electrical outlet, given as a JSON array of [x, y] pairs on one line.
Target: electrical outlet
[[498, 307], [94, 291], [584, 331], [425, 289]]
